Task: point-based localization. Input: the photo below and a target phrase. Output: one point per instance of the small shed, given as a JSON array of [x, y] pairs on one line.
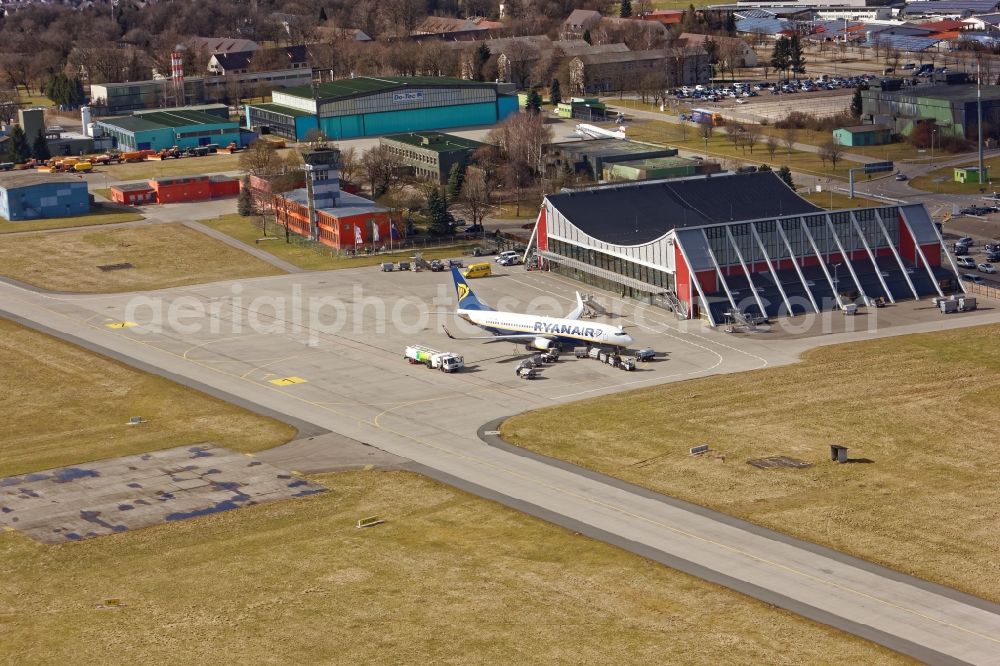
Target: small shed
[[862, 135], [132, 194], [970, 175]]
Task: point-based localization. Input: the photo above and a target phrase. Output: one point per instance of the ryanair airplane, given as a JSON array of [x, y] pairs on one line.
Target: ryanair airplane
[[536, 332]]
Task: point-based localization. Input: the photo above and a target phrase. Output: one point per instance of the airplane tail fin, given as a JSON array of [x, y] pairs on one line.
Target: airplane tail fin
[[578, 310], [466, 299]]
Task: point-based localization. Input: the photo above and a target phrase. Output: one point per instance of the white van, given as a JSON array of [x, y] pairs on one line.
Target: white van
[[504, 255]]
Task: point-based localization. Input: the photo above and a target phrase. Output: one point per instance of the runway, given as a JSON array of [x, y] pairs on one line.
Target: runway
[[344, 372]]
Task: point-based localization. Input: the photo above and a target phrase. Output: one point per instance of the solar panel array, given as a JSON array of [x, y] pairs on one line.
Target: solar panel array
[[952, 7], [753, 14], [766, 26], [907, 43]]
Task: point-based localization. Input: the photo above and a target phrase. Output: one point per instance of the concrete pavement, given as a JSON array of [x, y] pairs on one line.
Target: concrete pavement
[[262, 343]]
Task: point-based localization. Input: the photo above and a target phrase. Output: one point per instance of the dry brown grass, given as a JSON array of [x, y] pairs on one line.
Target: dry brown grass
[[448, 579], [63, 405], [99, 215], [164, 255], [924, 408]]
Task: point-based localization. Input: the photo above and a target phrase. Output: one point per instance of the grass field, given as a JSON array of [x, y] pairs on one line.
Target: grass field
[[942, 181], [720, 146], [836, 200], [99, 215], [449, 579], [246, 230], [63, 405], [184, 166], [163, 255], [923, 408]]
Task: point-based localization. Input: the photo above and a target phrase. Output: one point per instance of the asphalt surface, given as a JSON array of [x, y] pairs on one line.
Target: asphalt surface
[[325, 351]]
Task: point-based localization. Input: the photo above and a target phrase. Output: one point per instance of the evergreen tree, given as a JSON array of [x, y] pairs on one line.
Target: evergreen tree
[[626, 9], [441, 221], [456, 176], [322, 14], [40, 148], [534, 102], [780, 60], [244, 202], [555, 95], [587, 37], [785, 174], [730, 25], [480, 58], [856, 103], [796, 58], [18, 150]]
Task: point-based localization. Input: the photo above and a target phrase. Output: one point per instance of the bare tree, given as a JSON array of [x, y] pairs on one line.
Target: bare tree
[[831, 151], [735, 133], [752, 136], [474, 201], [260, 158], [789, 137], [349, 164], [380, 167], [771, 143], [8, 105]]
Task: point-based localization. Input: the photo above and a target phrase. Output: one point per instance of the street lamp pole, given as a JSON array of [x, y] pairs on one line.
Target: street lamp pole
[[933, 181]]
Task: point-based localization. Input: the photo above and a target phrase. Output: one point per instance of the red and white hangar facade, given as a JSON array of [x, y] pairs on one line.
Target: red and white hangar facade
[[708, 246]]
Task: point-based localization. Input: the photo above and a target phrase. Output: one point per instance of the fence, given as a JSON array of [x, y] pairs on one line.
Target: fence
[[411, 244], [982, 290]]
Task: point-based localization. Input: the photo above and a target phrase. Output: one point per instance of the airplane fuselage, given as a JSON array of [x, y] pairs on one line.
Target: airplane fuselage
[[563, 331]]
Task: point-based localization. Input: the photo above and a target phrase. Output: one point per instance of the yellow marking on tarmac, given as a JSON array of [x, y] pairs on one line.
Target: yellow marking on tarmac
[[589, 500], [369, 467], [249, 455], [286, 381], [121, 324], [264, 365]]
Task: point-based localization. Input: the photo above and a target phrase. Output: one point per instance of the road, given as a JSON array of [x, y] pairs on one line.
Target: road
[[268, 343]]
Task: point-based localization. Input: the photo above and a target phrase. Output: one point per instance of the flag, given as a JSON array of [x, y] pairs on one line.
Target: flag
[[375, 236], [358, 240], [394, 230]]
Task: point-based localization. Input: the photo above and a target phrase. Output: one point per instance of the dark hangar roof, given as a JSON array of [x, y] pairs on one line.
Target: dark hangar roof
[[640, 213]]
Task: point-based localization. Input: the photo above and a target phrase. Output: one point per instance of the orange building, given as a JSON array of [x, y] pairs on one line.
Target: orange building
[[354, 223], [175, 190]]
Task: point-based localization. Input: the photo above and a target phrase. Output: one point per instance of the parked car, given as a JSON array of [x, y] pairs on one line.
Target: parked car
[[992, 256], [986, 267], [965, 262], [900, 176], [975, 279], [961, 249], [510, 261], [504, 255], [455, 263], [966, 241]]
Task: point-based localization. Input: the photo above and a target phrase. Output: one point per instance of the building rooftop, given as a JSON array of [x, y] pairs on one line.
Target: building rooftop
[[861, 129], [634, 214], [131, 187], [369, 85], [12, 179], [283, 110], [962, 92], [667, 162], [435, 141], [610, 147], [154, 120], [348, 205]]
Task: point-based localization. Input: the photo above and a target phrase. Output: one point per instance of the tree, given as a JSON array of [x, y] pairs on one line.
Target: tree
[[788, 138], [785, 174], [780, 56], [771, 143], [441, 221], [18, 150], [40, 148], [534, 102], [555, 95], [244, 202], [474, 199], [349, 164], [832, 151], [259, 159], [752, 136], [479, 59], [730, 25], [796, 57], [322, 15], [587, 38], [456, 176], [380, 166], [626, 9], [856, 103]]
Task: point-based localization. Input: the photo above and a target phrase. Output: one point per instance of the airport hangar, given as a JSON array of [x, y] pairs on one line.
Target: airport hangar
[[706, 245], [369, 106]]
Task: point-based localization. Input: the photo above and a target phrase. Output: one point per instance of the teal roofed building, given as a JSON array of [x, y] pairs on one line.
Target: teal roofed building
[[184, 128], [369, 106]]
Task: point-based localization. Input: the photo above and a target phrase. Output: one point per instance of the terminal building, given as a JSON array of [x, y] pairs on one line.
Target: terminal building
[[708, 247], [369, 106]]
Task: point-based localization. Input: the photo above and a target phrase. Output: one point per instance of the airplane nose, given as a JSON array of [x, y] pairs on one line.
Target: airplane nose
[[627, 339]]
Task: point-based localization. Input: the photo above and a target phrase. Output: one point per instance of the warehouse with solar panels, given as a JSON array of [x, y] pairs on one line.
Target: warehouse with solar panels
[[369, 106], [709, 247]]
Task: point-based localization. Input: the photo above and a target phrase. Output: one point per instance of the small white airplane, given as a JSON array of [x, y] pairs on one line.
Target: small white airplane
[[586, 131], [540, 333]]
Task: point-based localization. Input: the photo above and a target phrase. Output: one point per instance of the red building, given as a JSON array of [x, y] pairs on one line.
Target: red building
[[185, 189], [354, 223]]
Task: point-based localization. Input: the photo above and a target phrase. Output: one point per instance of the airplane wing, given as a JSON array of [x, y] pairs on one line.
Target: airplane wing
[[511, 336], [578, 310]]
